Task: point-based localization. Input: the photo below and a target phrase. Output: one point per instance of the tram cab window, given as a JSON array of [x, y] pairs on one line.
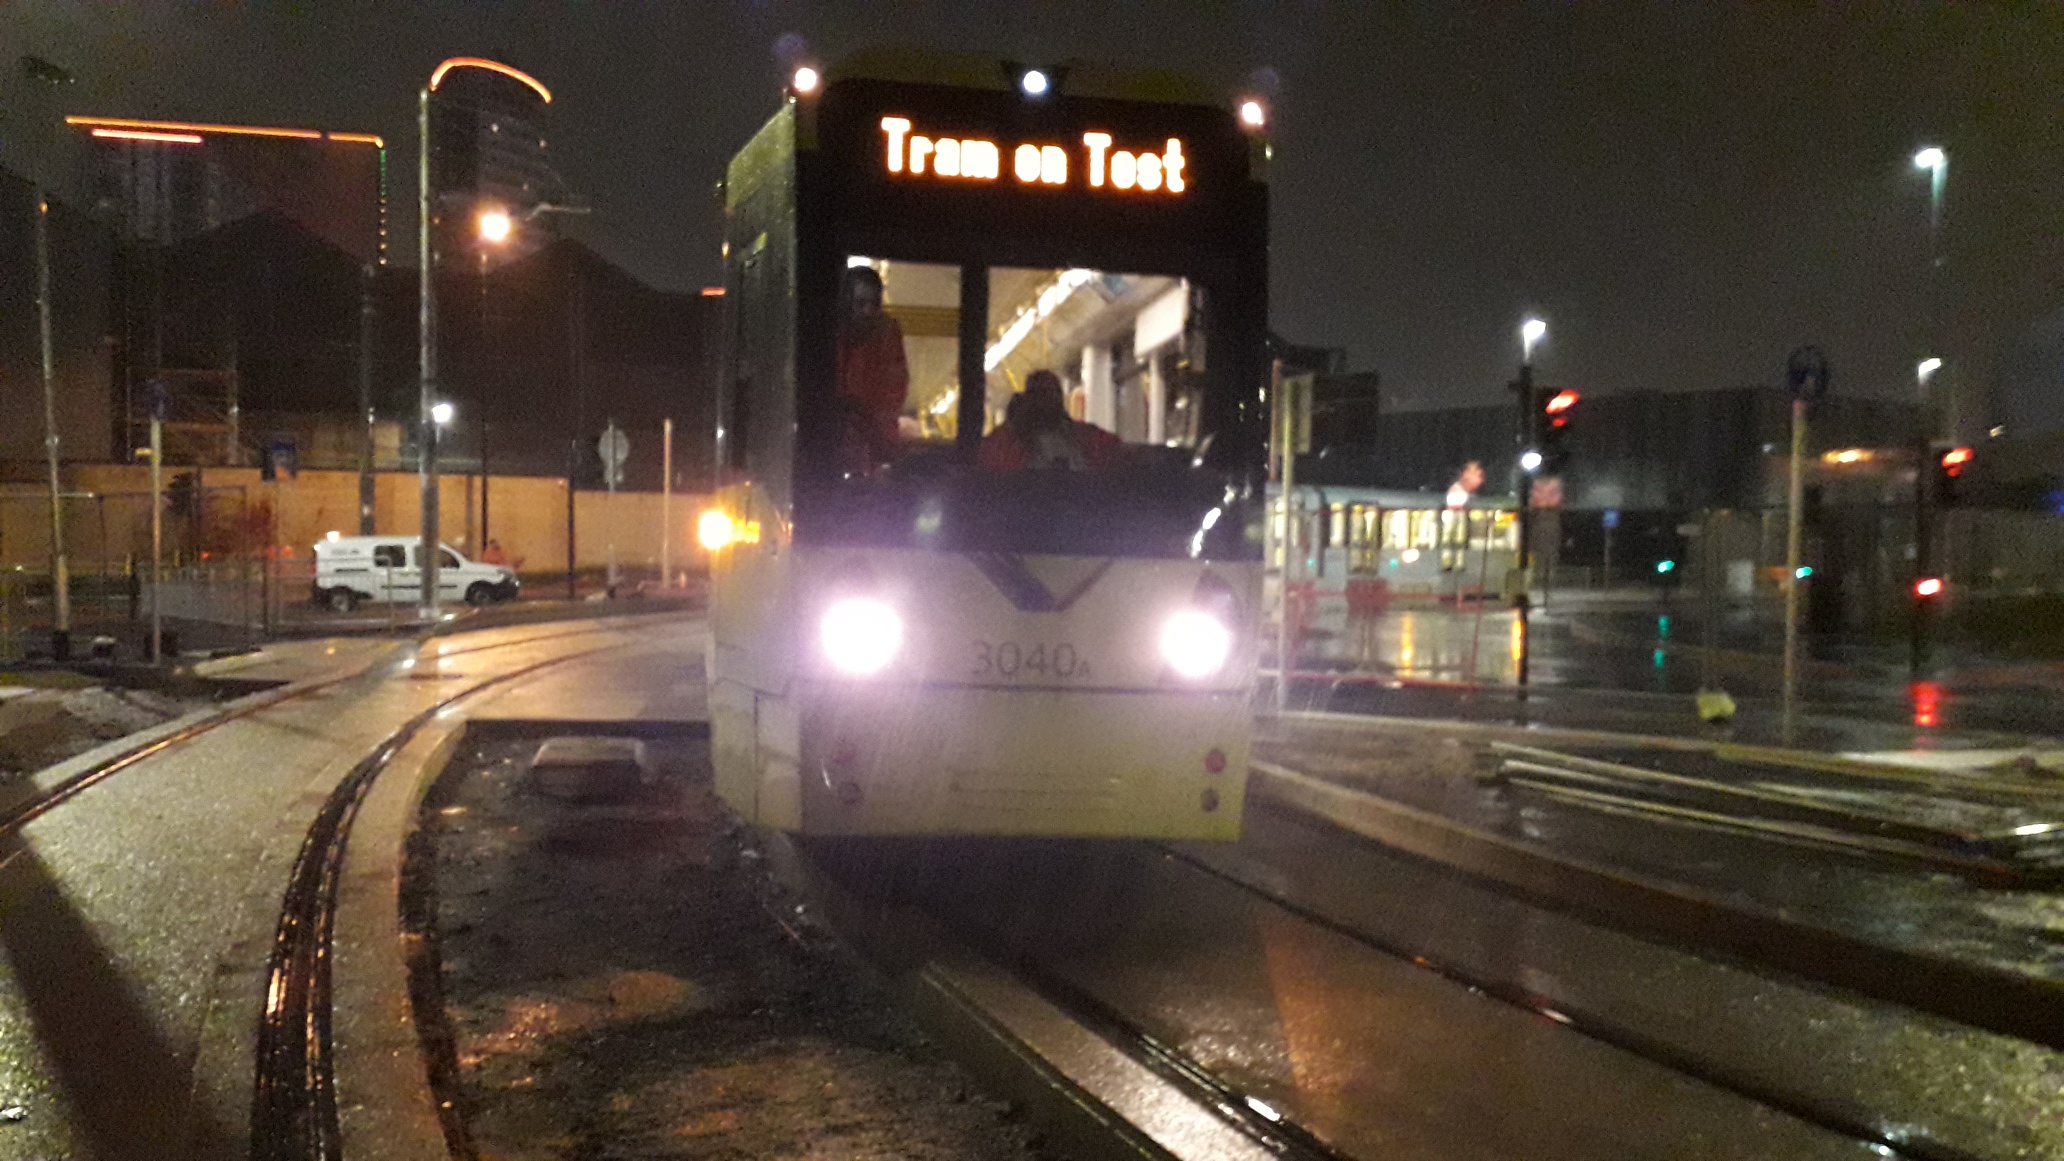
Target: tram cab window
[[1127, 349]]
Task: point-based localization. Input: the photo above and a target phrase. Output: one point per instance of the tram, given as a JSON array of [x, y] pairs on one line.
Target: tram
[[986, 550], [1365, 547]]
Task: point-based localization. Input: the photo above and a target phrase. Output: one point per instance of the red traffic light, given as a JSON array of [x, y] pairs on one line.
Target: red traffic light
[[1562, 401], [1954, 459], [1928, 586]]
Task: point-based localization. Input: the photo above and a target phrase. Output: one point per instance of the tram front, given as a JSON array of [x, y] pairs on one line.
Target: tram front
[[986, 558]]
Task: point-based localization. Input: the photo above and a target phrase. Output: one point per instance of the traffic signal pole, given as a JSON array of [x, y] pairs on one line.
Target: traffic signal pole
[[1924, 519], [1522, 595]]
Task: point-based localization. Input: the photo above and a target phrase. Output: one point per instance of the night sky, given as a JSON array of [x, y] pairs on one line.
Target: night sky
[[1683, 191]]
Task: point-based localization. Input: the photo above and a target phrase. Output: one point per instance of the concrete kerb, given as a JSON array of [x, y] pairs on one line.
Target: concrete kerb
[[1088, 1097], [386, 1106]]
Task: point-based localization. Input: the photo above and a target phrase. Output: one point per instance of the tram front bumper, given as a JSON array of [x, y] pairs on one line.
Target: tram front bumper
[[983, 760]]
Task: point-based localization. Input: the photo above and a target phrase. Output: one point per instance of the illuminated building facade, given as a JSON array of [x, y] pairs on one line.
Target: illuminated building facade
[[488, 150]]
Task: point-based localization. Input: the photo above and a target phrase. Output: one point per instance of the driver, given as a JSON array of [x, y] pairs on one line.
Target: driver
[[1037, 432]]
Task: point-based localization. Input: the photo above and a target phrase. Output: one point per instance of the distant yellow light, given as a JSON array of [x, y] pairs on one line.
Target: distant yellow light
[[1847, 455], [715, 529]]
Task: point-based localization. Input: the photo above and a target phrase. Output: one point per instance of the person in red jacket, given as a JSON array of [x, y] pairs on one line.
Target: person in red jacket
[[1037, 433], [873, 377]]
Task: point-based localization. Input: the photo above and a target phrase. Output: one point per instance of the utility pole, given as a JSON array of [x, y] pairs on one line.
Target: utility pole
[[576, 338], [666, 505], [366, 327], [60, 573], [1806, 374], [157, 524], [426, 356]]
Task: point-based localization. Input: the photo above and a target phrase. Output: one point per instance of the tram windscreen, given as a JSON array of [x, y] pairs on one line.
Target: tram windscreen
[[1092, 428], [1122, 348]]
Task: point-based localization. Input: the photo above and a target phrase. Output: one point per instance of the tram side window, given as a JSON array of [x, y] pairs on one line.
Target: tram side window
[[1126, 352]]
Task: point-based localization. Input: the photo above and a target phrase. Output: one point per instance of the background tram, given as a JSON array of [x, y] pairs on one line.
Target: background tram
[[910, 634], [1361, 548]]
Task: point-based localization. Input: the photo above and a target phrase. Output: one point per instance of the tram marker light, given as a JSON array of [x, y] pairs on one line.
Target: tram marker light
[[860, 635], [715, 529], [1195, 644]]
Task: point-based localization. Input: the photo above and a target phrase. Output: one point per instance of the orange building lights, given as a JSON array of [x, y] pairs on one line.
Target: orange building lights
[[493, 66], [134, 129]]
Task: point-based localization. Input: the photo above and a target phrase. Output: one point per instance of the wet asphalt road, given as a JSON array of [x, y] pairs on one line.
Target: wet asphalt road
[[133, 966]]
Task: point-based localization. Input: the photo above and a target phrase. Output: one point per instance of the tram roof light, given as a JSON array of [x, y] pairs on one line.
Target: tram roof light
[[805, 80], [1035, 83]]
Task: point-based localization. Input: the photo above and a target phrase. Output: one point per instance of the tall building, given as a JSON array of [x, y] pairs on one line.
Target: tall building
[[170, 188], [487, 150]]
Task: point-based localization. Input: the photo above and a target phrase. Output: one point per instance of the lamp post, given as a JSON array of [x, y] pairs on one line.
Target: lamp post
[[1531, 332], [1936, 163], [494, 228]]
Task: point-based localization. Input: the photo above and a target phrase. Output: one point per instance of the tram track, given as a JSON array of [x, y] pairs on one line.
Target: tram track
[[16, 815], [294, 1114], [1744, 1083], [1994, 999]]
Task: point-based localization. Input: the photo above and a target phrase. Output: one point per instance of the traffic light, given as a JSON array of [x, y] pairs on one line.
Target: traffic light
[[1949, 467], [1927, 588], [1557, 408]]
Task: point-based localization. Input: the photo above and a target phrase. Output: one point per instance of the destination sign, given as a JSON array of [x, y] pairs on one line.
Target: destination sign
[[1097, 161]]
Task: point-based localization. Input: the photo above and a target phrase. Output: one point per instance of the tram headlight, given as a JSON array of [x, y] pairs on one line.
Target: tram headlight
[[860, 635], [1195, 644]]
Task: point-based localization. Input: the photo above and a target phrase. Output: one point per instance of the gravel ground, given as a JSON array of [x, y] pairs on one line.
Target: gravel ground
[[617, 985], [41, 727]]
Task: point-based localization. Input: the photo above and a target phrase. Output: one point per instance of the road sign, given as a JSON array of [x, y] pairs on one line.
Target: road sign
[[1806, 374], [614, 447], [281, 461]]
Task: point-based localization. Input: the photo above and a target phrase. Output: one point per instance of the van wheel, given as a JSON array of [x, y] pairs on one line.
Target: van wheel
[[480, 595], [342, 600]]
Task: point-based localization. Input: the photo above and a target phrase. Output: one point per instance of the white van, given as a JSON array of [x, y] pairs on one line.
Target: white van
[[350, 570]]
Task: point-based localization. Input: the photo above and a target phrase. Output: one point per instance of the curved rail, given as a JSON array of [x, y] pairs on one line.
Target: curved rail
[[16, 817], [294, 1089]]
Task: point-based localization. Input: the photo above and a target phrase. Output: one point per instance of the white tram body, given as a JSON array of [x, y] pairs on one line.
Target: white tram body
[[916, 643]]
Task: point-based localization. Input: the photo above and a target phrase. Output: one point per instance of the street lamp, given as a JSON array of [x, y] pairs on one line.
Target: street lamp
[[1531, 332], [1530, 460], [1936, 162], [1927, 367], [440, 415], [495, 225], [426, 310]]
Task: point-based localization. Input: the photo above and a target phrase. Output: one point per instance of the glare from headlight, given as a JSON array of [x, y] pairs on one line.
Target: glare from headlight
[[1195, 644], [861, 635], [715, 529]]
